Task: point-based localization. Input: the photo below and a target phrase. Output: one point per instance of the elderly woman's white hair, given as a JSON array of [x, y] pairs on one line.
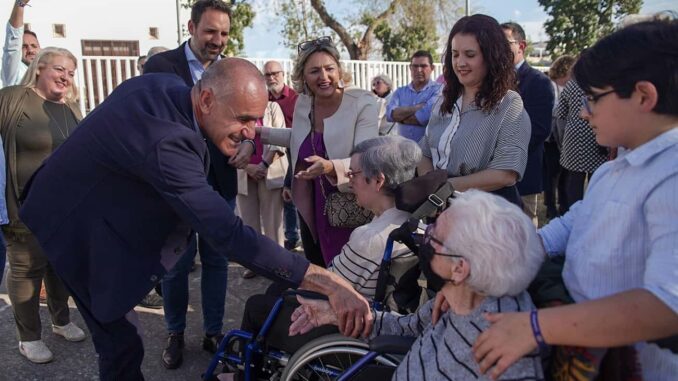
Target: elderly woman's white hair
[[384, 78], [498, 240]]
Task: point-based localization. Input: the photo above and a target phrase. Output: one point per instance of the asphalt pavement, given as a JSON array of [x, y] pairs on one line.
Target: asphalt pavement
[[77, 361]]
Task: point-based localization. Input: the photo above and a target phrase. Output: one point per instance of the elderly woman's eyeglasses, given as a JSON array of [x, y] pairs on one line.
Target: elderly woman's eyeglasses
[[428, 238], [312, 44], [587, 100], [352, 174]]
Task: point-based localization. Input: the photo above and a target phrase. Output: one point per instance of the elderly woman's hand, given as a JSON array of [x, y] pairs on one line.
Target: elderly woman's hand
[[508, 339], [310, 314], [318, 167], [242, 156]]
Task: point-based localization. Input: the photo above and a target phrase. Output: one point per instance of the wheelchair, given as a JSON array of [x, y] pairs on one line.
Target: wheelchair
[[336, 357]]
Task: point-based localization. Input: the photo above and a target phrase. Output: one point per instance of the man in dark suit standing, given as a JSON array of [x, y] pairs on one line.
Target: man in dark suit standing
[[209, 27], [113, 207], [537, 92]]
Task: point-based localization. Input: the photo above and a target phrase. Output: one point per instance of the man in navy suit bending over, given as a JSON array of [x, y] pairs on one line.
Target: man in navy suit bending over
[[114, 205], [209, 27]]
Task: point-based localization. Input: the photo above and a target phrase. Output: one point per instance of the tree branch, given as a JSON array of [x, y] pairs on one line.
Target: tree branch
[[366, 41], [339, 29]]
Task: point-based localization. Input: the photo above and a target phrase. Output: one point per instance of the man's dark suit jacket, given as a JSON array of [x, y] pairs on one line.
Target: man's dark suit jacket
[[113, 206], [537, 92], [222, 176]]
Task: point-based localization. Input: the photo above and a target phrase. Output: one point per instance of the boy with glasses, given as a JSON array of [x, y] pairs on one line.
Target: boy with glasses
[[621, 241]]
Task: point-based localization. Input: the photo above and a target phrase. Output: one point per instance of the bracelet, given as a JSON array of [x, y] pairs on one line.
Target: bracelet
[[21, 4], [536, 331]]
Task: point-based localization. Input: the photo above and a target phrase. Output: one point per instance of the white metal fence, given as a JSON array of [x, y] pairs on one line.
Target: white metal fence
[[98, 76]]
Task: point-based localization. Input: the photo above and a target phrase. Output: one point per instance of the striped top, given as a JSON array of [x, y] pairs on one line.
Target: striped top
[[360, 259], [495, 140], [443, 351]]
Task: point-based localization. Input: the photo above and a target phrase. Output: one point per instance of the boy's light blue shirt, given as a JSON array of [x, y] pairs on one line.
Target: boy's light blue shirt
[[624, 235]]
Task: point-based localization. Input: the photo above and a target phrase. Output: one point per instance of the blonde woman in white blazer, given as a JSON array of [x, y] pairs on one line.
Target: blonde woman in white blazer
[[329, 120], [259, 199]]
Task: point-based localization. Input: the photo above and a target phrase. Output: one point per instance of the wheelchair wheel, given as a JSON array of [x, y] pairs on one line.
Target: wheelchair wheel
[[325, 358]]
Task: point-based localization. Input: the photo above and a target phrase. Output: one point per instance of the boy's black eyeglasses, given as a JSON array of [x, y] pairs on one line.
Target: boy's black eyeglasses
[[318, 42], [587, 100]]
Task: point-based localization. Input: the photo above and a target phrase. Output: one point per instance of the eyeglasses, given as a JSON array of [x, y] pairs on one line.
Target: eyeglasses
[[587, 100], [62, 70], [377, 82], [352, 174], [428, 238], [418, 66], [318, 42], [272, 73]]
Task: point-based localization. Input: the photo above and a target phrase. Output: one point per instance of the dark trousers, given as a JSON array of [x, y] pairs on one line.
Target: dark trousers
[[3, 255], [257, 310], [574, 187], [118, 345], [311, 247], [291, 222], [554, 184]]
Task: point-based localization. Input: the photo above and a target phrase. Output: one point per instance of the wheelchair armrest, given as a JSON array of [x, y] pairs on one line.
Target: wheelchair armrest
[[397, 345]]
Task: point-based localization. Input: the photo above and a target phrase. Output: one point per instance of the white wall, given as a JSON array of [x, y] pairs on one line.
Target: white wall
[[100, 20]]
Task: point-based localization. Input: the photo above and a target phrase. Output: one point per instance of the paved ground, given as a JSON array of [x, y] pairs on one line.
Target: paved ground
[[77, 361]]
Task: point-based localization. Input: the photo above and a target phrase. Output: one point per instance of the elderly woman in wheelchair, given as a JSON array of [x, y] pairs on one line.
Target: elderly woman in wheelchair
[[377, 167], [485, 251]]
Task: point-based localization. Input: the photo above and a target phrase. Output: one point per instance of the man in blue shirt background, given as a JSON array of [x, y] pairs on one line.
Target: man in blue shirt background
[[411, 105]]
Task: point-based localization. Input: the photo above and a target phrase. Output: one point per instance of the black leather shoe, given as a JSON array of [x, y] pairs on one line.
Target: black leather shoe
[[291, 245], [211, 343], [173, 355]]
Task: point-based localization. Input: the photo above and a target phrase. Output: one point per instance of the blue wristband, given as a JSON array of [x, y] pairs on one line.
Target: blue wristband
[[536, 331]]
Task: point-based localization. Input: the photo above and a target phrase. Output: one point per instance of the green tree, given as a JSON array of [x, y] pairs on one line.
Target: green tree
[[399, 26], [574, 25], [415, 29], [301, 24], [242, 17]]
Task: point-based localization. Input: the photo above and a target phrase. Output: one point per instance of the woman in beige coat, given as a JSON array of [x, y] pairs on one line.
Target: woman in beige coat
[[329, 120]]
